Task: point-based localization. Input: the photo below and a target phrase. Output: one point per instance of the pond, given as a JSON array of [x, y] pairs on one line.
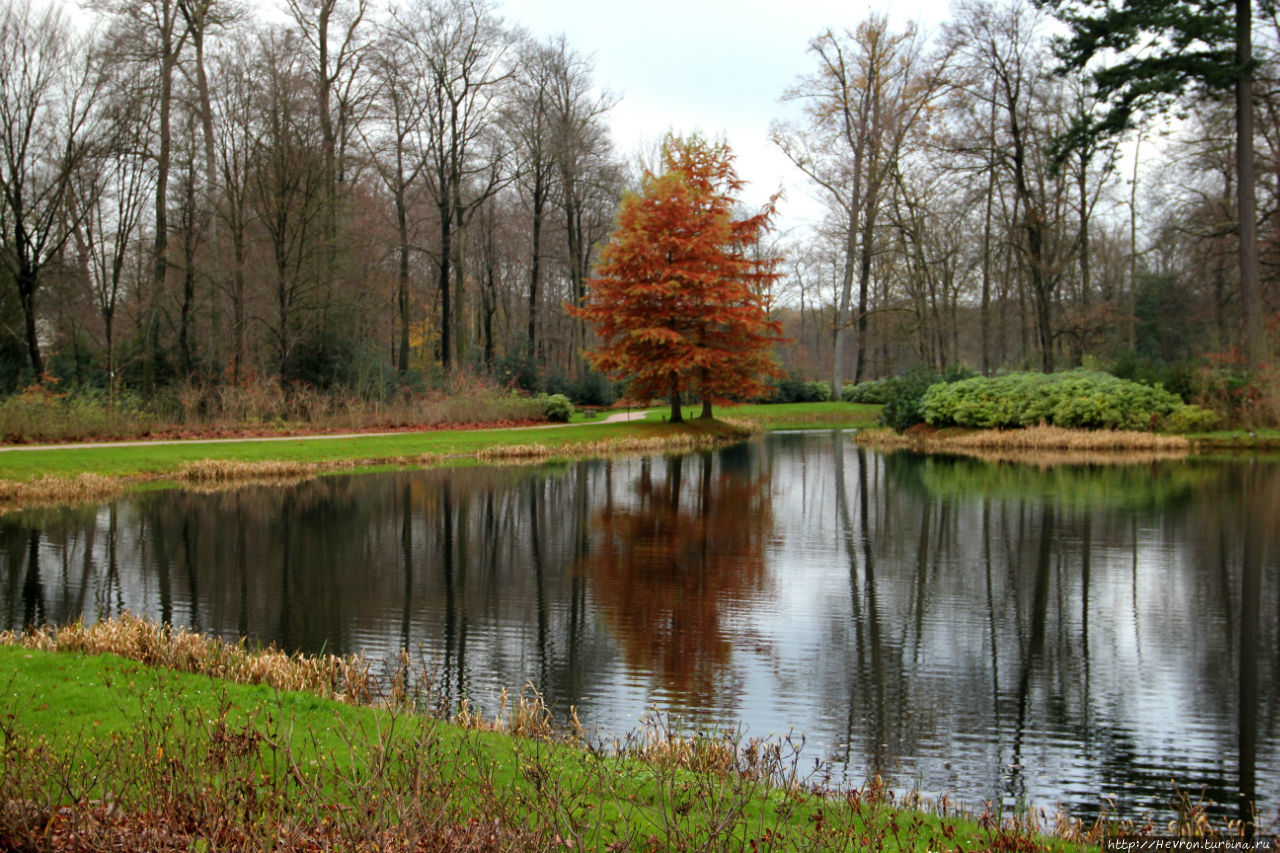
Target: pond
[[990, 631]]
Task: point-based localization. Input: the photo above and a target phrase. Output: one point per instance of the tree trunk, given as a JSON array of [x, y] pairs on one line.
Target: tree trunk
[[864, 284], [1255, 348], [402, 225], [535, 268], [985, 317], [446, 251], [677, 416], [28, 279]]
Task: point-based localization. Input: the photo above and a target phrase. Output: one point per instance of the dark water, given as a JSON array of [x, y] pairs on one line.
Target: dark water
[[991, 632]]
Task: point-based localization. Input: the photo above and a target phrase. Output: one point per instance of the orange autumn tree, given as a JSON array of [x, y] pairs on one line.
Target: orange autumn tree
[[678, 299]]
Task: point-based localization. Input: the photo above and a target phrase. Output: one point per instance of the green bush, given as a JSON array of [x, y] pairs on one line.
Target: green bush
[[1188, 418], [1075, 399], [557, 407], [793, 389], [903, 398], [816, 392], [871, 391]]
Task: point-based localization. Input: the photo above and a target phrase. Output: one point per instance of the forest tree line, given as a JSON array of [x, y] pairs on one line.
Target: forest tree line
[[368, 198]]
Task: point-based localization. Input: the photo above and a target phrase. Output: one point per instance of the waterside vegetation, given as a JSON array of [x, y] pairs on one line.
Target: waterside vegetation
[[77, 473], [131, 734]]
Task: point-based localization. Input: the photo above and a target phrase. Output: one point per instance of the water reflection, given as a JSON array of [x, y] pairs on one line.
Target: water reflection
[[670, 563], [993, 631]]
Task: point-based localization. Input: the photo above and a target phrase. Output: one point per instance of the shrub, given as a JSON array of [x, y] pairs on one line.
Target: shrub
[[1188, 418], [1244, 398], [557, 407], [591, 389], [871, 391], [903, 397], [789, 390], [816, 392], [517, 369], [1074, 399]]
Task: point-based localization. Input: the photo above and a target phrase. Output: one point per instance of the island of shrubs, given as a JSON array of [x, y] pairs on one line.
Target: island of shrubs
[[1079, 399]]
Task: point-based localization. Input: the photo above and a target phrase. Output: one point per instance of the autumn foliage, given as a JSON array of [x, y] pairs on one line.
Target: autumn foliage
[[678, 303]]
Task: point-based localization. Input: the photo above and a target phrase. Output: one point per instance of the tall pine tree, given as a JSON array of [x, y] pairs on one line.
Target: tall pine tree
[[1144, 55]]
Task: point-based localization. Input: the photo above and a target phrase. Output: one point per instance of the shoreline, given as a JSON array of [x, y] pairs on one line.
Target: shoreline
[[34, 476], [666, 781], [61, 474]]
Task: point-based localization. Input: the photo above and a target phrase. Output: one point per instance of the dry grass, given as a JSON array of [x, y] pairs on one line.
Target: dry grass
[[614, 446], [1055, 458], [345, 678], [883, 438], [1057, 438], [53, 490], [221, 474], [1044, 446]]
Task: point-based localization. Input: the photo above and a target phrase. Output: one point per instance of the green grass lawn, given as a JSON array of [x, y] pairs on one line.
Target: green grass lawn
[[251, 760], [158, 459]]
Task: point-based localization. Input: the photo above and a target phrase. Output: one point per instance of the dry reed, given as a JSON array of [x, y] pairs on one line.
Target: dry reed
[[346, 678], [53, 490], [1055, 458], [1057, 438], [1042, 445], [611, 447], [221, 471]]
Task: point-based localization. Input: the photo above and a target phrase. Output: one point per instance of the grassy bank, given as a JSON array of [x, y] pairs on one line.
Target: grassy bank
[[98, 472], [101, 750]]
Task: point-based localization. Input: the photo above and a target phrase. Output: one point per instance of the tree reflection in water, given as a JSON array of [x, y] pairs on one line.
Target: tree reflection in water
[[670, 563]]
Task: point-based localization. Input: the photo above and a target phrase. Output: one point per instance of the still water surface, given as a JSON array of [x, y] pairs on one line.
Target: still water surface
[[993, 632]]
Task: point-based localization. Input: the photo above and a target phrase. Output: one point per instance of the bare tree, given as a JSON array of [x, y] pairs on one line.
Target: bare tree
[[111, 192], [588, 173], [462, 47], [149, 37], [237, 130], [1000, 44], [400, 156], [871, 89], [287, 186], [49, 127]]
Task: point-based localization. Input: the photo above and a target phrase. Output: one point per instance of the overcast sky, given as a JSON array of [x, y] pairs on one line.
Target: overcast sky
[[716, 66]]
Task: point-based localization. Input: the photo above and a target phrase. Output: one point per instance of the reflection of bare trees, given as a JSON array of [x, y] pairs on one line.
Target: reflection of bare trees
[[339, 564], [1098, 645], [670, 564]]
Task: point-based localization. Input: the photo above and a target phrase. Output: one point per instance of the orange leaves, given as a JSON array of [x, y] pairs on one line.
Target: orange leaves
[[677, 303]]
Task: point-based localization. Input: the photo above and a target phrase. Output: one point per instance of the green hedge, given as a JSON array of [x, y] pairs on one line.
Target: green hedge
[[1077, 399]]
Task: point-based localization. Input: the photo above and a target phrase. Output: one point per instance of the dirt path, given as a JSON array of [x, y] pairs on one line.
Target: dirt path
[[616, 417]]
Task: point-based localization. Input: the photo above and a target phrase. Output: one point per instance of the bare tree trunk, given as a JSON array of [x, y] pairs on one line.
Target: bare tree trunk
[[985, 318], [446, 252], [402, 226], [535, 260], [1255, 345]]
